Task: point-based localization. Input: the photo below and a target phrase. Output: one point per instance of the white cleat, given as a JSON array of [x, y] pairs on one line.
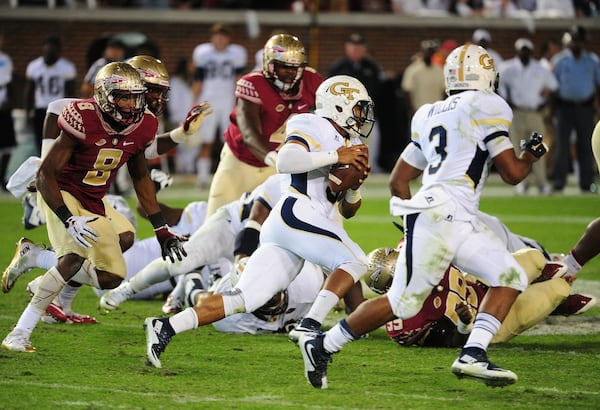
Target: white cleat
[[474, 364], [18, 341], [21, 263], [158, 335], [113, 298]]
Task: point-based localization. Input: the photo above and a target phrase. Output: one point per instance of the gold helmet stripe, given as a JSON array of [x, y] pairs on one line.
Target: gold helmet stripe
[[461, 62]]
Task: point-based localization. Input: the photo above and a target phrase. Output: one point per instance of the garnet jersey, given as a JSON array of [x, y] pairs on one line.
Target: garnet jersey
[[100, 151], [436, 322], [276, 108]]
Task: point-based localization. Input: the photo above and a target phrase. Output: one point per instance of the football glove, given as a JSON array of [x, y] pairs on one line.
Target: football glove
[[534, 145], [192, 122], [161, 179], [79, 228], [171, 244]]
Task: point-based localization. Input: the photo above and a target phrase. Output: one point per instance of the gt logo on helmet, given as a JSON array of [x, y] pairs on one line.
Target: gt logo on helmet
[[486, 62], [343, 89]]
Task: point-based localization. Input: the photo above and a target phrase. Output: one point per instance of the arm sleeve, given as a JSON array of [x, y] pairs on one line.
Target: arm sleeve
[[294, 159]]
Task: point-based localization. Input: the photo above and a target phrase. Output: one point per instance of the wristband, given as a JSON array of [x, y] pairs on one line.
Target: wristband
[[157, 220], [352, 196], [271, 159], [63, 213], [246, 241], [178, 135]]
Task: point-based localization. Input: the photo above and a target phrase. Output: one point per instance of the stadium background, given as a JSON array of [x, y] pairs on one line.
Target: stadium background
[[392, 38]]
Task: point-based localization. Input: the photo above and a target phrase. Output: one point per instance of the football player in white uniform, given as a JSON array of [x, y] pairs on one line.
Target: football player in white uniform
[[219, 64], [455, 141], [214, 239], [279, 315], [304, 225]]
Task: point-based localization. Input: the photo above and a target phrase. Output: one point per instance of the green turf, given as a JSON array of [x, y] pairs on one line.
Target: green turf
[[102, 366]]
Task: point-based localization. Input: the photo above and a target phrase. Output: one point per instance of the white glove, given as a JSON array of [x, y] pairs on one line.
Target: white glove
[[79, 229], [192, 122], [160, 178]]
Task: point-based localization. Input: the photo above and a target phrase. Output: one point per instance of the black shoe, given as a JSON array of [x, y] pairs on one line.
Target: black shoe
[[158, 335], [315, 358]]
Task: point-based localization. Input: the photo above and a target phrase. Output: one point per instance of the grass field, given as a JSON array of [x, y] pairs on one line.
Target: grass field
[[102, 366]]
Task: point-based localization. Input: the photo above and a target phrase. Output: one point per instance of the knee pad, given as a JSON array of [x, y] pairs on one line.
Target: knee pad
[[354, 269]]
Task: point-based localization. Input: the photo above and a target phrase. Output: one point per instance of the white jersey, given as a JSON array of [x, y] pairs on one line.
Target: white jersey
[[216, 237], [456, 140], [192, 218], [49, 80], [220, 70], [319, 135], [301, 293], [6, 71]]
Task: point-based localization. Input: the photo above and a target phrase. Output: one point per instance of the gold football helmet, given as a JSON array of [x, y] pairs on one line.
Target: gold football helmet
[[286, 50], [115, 82], [156, 78], [381, 268]]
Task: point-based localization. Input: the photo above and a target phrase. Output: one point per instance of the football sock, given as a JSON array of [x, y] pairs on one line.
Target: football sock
[[573, 267], [29, 319], [338, 336], [184, 320], [48, 288], [484, 328], [155, 272], [45, 259], [322, 305], [66, 296]]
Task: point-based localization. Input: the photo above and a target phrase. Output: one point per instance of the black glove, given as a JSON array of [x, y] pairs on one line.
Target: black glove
[[171, 244], [534, 145]]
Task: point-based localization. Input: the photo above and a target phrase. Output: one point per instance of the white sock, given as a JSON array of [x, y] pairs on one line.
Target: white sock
[[66, 296], [48, 287], [484, 329], [46, 259], [184, 320], [203, 169], [29, 319], [573, 267], [155, 272], [337, 337], [322, 305]]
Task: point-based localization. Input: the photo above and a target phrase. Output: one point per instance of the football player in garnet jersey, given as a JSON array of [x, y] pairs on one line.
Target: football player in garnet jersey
[[265, 101], [98, 136]]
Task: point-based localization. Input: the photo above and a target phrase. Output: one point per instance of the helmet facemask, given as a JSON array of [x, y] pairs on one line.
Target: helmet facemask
[[156, 79], [362, 121]]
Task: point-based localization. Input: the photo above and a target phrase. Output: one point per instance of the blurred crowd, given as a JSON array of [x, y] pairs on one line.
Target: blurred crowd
[[465, 8]]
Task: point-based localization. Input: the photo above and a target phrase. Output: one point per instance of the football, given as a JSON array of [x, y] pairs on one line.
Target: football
[[343, 177]]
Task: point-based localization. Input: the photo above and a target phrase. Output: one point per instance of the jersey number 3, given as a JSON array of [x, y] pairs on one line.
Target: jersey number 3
[[437, 136]]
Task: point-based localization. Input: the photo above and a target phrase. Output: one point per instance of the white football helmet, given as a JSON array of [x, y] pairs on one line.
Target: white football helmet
[[345, 101], [381, 268], [120, 80], [470, 67], [287, 50]]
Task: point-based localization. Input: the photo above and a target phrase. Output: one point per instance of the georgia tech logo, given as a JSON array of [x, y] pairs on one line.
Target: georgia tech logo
[[342, 88], [486, 61]]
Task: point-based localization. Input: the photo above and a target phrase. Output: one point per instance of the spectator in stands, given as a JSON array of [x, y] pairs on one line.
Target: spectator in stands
[[578, 74], [483, 38], [358, 63], [527, 86], [424, 81]]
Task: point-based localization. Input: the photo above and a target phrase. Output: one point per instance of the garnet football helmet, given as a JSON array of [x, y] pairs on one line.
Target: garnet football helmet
[[156, 78], [470, 67], [345, 101], [286, 50], [117, 81], [381, 268]]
